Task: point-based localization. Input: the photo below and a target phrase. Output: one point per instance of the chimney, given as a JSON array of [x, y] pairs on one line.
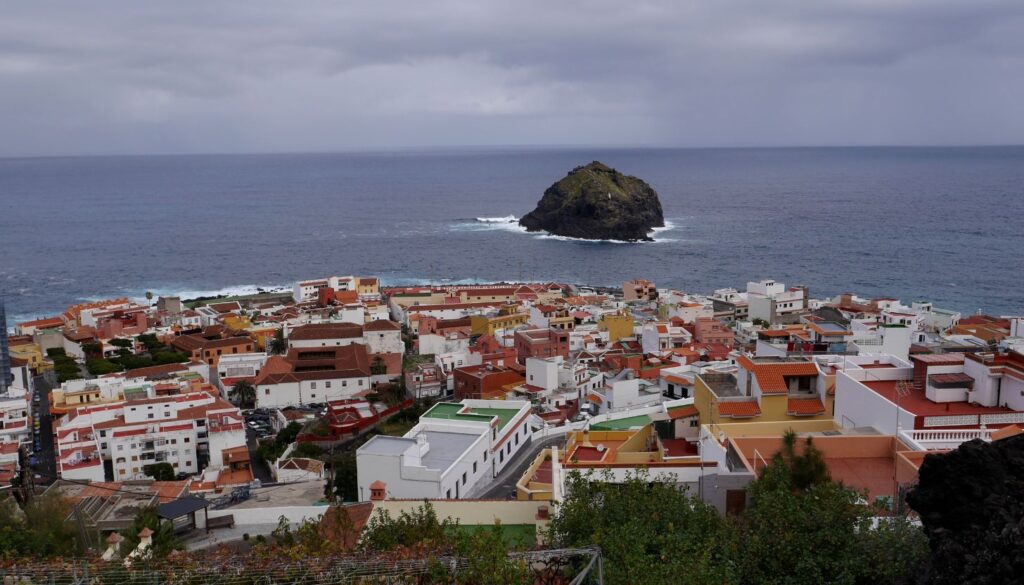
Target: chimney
[[378, 491]]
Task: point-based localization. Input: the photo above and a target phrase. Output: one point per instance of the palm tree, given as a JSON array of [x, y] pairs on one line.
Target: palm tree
[[278, 345], [244, 394]]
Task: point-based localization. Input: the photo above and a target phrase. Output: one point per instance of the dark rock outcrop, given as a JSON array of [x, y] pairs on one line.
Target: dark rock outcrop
[[596, 202], [971, 502]]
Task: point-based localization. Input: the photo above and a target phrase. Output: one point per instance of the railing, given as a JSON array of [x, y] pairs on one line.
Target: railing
[[928, 440]]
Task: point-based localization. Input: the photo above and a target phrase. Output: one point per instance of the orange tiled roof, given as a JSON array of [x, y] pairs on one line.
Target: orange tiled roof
[[683, 412], [804, 407], [748, 409], [771, 377]]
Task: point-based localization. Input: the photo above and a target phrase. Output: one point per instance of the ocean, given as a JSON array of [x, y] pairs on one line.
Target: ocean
[[942, 224]]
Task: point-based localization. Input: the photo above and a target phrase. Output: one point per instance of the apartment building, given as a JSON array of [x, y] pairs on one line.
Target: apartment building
[[190, 431], [454, 452]]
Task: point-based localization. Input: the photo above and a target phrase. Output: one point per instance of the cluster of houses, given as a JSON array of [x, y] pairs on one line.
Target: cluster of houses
[[527, 383]]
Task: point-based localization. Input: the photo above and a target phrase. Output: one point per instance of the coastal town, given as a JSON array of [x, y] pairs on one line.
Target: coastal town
[[231, 415]]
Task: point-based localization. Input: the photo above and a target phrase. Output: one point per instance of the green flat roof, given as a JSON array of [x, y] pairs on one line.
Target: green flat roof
[[451, 410], [621, 424]]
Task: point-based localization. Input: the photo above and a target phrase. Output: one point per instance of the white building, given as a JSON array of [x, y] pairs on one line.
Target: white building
[[772, 301], [660, 336], [307, 290], [241, 366], [313, 375], [383, 336], [324, 335], [189, 431], [453, 452]]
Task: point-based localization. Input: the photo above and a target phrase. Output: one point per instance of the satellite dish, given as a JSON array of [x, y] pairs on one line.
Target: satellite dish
[[600, 447]]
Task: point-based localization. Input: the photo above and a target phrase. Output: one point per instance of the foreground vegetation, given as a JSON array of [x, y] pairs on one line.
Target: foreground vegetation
[[800, 527]]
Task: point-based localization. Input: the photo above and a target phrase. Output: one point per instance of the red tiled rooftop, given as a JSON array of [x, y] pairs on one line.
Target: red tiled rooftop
[[746, 409], [543, 472], [804, 407]]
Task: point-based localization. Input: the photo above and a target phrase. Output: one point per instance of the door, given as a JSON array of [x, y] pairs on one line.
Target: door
[[735, 502]]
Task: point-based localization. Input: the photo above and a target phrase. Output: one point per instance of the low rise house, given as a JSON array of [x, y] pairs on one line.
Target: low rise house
[[198, 348], [454, 451], [325, 335], [485, 381], [541, 343], [639, 290], [933, 391], [313, 375]]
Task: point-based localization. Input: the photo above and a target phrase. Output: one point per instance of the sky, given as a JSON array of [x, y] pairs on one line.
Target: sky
[[203, 76]]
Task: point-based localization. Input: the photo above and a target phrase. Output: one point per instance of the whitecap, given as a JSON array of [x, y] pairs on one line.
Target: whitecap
[[505, 219]]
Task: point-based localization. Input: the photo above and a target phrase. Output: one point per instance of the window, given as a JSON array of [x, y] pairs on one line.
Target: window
[[463, 479], [517, 439], [187, 439], [448, 494], [344, 383], [120, 447], [485, 456], [501, 457], [695, 422], [474, 464], [312, 385], [266, 392], [103, 446], [150, 415], [327, 384]]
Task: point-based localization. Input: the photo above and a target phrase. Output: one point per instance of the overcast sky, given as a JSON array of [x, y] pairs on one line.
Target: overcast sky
[[242, 76]]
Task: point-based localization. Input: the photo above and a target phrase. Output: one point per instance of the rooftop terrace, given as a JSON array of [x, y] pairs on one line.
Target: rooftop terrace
[[455, 411]]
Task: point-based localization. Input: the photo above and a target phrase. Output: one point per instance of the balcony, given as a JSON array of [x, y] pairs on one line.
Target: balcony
[[942, 440]]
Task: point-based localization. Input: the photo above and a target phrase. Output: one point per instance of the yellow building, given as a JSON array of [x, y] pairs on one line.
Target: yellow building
[[767, 389], [237, 322], [262, 336], [368, 286], [490, 325], [618, 326], [619, 446], [23, 348]]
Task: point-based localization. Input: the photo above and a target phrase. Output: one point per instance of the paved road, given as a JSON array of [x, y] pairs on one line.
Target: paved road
[[504, 486], [260, 468], [47, 465]]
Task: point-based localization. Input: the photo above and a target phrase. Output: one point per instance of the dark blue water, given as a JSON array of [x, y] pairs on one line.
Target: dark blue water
[[941, 224]]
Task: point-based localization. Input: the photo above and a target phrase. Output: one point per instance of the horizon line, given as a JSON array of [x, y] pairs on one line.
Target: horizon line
[[450, 148]]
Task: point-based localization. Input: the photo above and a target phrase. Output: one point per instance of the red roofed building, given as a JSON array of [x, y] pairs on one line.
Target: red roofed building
[[189, 431], [484, 381], [313, 375], [541, 343]]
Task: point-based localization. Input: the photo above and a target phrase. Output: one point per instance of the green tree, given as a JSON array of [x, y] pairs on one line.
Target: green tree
[[801, 527], [378, 367], [149, 295], [159, 471], [649, 532], [244, 394], [487, 562], [119, 342], [164, 540], [40, 530], [278, 345], [418, 528], [99, 367]]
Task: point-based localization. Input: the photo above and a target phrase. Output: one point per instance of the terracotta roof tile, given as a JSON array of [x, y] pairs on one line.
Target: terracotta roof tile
[[746, 409]]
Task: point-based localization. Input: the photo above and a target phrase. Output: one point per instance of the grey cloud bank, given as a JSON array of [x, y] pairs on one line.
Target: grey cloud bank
[[132, 77]]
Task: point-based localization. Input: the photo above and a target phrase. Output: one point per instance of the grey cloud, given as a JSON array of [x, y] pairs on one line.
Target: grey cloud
[[217, 76]]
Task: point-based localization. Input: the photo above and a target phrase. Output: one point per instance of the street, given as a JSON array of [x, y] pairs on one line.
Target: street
[[504, 486], [46, 464]]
